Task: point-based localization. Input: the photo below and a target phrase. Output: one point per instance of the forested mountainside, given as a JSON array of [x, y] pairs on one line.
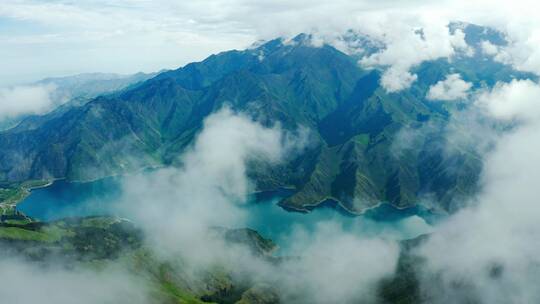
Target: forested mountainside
[[360, 150]]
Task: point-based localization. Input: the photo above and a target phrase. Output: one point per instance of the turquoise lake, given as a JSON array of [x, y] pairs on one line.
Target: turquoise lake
[[64, 199]]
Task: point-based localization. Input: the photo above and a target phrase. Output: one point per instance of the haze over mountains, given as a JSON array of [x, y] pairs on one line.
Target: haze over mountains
[[366, 143], [22, 101]]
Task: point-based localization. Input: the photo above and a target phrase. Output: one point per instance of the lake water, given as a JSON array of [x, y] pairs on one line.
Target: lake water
[[63, 199]]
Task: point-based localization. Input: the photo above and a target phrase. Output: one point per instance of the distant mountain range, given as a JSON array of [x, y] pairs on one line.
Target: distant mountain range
[[78, 89], [356, 125], [90, 85]]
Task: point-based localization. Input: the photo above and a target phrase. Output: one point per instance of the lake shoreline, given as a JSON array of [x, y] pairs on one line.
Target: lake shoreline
[[330, 203], [65, 199]]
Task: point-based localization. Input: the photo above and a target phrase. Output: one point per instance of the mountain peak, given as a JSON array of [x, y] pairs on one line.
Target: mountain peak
[[292, 82]]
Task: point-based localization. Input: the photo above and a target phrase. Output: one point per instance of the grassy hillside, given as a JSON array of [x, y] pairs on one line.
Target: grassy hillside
[[94, 242]]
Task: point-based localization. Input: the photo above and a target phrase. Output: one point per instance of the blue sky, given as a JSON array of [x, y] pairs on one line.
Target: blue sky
[[41, 38], [52, 38]]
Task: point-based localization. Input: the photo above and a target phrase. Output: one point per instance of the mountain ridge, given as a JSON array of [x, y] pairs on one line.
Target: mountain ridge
[[354, 123]]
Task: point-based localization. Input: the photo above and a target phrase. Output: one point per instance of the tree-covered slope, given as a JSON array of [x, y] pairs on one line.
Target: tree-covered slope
[[357, 155]]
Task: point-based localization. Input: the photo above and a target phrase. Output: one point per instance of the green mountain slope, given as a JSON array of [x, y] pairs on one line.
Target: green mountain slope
[[357, 156], [92, 243]]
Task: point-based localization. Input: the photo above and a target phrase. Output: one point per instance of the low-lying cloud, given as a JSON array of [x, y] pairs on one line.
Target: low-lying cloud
[[25, 100], [176, 207], [23, 282], [337, 266], [451, 88], [406, 46], [489, 252]]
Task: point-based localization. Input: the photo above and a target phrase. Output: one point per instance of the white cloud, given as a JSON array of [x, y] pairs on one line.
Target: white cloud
[[24, 100], [49, 38], [491, 249], [519, 99], [522, 51], [396, 79], [489, 48], [337, 266], [176, 206], [451, 88], [210, 187], [23, 282], [408, 44]]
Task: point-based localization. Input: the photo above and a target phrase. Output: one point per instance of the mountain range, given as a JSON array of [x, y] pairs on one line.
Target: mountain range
[[358, 154], [75, 90]]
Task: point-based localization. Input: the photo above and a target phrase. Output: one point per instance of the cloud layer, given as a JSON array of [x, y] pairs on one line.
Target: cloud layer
[[176, 207], [43, 38], [23, 100], [21, 282], [489, 252]]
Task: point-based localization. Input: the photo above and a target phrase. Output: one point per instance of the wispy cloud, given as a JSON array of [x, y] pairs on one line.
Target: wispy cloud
[[24, 100], [488, 252], [176, 207], [23, 282]]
